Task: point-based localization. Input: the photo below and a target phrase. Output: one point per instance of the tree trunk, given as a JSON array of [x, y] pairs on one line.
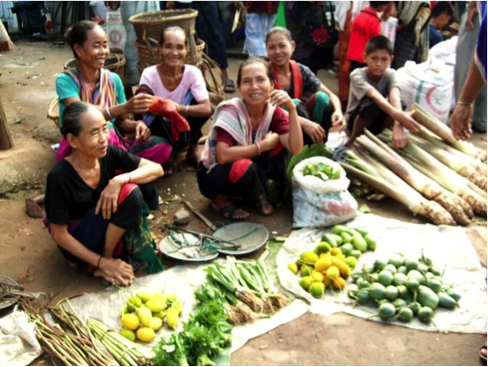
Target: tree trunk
[[6, 141]]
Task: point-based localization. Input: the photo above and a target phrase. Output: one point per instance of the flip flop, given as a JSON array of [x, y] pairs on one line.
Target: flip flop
[[168, 168], [261, 204], [229, 86], [481, 355], [227, 212]]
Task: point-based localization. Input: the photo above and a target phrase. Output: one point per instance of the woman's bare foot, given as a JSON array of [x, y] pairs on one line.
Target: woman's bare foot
[[265, 207]]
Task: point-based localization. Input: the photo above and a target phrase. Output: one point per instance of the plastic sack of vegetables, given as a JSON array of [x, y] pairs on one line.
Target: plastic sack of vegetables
[[320, 196]]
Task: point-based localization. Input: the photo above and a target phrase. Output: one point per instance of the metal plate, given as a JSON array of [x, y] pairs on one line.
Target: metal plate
[[167, 247], [248, 244], [6, 303]]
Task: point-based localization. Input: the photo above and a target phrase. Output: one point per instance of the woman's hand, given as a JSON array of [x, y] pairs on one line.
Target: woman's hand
[[313, 130], [461, 121], [339, 121], [117, 271], [269, 141], [281, 98], [142, 132], [139, 104], [109, 198]]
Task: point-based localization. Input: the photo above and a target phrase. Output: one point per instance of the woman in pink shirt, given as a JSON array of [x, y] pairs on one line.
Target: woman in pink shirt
[[183, 84]]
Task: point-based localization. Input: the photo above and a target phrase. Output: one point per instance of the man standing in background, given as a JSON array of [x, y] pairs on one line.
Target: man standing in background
[[468, 35], [129, 8], [260, 18]]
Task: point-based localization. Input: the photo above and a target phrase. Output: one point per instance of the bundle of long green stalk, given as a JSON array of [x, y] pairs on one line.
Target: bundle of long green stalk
[[229, 278], [123, 350], [255, 275], [393, 186], [71, 349], [423, 184], [452, 161], [445, 177], [237, 312], [430, 122]]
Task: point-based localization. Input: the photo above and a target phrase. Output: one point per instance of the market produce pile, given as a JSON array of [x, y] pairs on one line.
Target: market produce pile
[[402, 288], [321, 171], [332, 261], [243, 289], [73, 343], [144, 314], [434, 175]]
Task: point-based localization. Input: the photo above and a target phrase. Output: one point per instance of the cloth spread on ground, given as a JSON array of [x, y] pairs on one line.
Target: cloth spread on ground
[[233, 117], [18, 343], [184, 280], [447, 246]]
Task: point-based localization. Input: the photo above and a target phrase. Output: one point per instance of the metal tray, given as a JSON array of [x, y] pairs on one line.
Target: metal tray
[[166, 247], [250, 243]]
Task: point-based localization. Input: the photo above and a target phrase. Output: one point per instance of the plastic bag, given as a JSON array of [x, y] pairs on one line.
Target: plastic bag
[[388, 29], [430, 84], [318, 203], [115, 30]]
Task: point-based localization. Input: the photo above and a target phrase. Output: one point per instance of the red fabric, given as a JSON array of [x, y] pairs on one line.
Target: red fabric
[[238, 169], [364, 27], [167, 109], [297, 79], [262, 7], [279, 124], [124, 192]]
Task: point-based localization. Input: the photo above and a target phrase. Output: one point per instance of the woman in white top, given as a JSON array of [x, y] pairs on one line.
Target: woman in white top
[[184, 85]]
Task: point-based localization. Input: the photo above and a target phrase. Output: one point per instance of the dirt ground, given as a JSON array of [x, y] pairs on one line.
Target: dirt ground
[[27, 253]]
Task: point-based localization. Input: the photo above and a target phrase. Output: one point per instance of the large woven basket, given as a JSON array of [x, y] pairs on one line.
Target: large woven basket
[[150, 25], [115, 62], [150, 55], [53, 112]]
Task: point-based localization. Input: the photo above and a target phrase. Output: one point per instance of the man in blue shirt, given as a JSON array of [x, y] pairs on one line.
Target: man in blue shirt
[[440, 17]]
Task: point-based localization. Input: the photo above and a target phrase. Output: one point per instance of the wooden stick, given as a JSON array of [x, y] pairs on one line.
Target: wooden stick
[[200, 215]]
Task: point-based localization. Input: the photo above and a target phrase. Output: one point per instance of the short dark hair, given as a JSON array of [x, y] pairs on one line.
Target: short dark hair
[[379, 43], [255, 60], [377, 4], [281, 30], [442, 7], [171, 29], [72, 118], [77, 34]]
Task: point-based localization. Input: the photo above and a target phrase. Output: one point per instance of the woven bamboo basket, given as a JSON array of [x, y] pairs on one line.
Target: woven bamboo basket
[[53, 112], [115, 62], [150, 25], [150, 55]]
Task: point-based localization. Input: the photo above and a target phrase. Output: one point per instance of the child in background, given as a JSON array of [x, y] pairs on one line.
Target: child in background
[[374, 98], [364, 27], [440, 17], [260, 18]]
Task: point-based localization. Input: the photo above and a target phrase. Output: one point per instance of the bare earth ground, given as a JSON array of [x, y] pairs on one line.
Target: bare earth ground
[[28, 254]]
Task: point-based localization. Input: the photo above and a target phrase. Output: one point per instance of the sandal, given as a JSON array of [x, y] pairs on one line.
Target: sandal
[[227, 212], [168, 168], [483, 357], [262, 202], [229, 86]]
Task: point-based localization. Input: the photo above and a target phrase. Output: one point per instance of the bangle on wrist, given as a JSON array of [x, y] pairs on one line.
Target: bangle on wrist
[[129, 178], [259, 148], [464, 103], [99, 260], [108, 113], [186, 109]]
